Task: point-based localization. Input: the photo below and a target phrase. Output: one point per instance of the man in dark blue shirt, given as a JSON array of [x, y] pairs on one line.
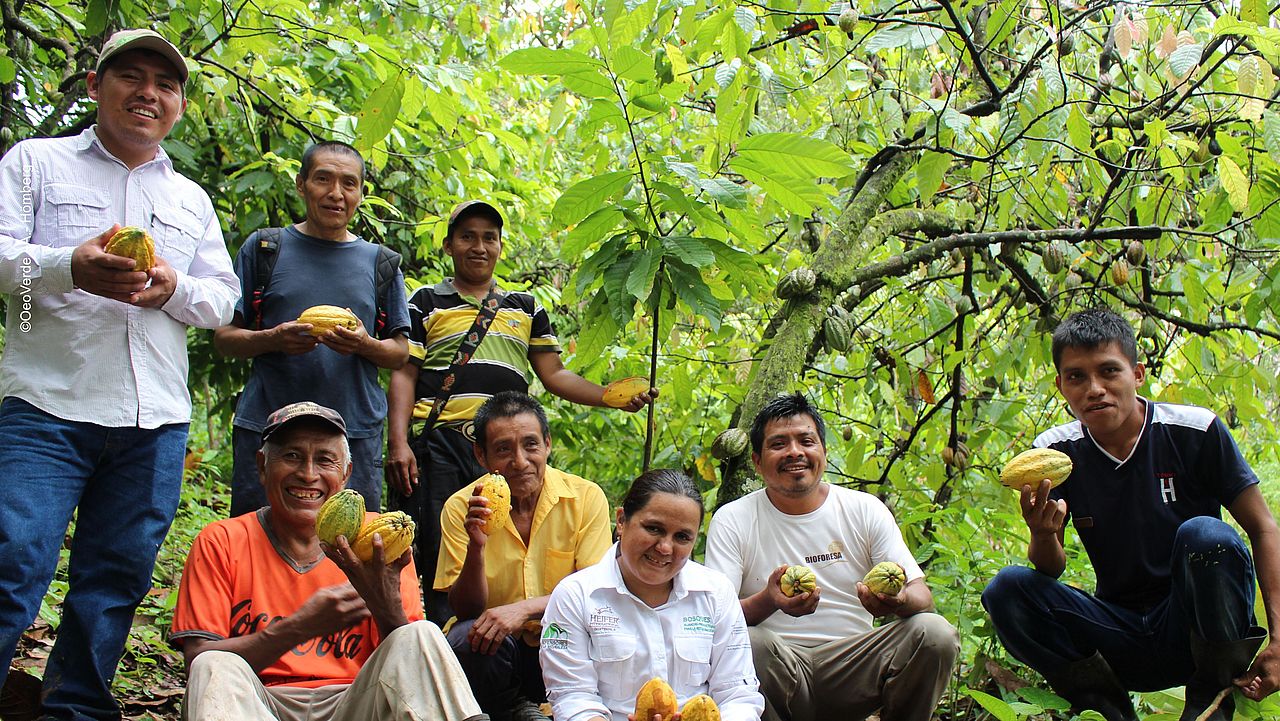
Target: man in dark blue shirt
[[1175, 584]]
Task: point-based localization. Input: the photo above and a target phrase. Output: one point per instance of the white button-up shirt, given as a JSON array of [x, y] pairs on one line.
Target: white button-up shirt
[[600, 644], [79, 356]]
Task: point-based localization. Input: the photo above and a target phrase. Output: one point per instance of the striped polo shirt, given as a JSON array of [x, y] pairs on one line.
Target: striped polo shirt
[[439, 318]]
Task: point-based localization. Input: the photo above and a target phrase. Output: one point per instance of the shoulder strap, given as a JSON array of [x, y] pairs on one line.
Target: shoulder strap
[[384, 274], [484, 318], [266, 251]]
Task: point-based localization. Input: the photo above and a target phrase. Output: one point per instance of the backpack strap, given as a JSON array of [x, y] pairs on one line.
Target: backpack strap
[[384, 274], [266, 252]]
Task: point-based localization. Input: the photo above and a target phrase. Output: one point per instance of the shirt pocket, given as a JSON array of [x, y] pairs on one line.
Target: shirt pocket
[[694, 665], [613, 656], [558, 564], [176, 231], [76, 214]]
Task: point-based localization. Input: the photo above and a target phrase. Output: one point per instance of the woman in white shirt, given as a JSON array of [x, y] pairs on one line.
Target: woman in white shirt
[[647, 611]]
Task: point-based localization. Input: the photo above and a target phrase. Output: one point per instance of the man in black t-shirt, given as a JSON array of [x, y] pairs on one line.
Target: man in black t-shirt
[[1175, 584]]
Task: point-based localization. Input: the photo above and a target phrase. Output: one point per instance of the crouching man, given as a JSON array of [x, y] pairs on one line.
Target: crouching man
[[275, 626]]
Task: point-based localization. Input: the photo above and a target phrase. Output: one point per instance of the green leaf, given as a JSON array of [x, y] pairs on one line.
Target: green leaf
[[1079, 130], [598, 328], [589, 84], [724, 191], [1044, 699], [689, 286], [930, 171], [689, 250], [590, 229], [1233, 181], [799, 196], [912, 36], [993, 705], [548, 61], [642, 272], [584, 198], [1183, 60], [1254, 11], [1271, 134], [378, 115], [632, 64], [793, 154]]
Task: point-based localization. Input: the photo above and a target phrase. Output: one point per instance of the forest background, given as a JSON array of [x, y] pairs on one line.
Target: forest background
[[934, 183]]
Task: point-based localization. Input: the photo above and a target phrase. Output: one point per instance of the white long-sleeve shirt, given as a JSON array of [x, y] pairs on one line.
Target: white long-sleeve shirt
[[600, 644], [79, 356]]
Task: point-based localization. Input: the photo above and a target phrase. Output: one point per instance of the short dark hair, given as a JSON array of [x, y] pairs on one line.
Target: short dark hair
[[785, 406], [659, 480], [1091, 329], [328, 146], [508, 404]]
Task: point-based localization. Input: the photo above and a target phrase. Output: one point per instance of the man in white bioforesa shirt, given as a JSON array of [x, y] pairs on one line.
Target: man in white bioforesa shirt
[[817, 654]]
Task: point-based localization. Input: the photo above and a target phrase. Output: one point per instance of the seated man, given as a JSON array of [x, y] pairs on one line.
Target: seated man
[[1174, 602], [499, 585], [274, 626], [824, 658]]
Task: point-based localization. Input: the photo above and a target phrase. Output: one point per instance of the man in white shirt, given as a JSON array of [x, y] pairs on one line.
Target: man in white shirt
[[817, 654], [93, 377]]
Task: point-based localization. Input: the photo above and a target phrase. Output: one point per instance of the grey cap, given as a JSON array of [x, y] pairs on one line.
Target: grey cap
[[142, 39], [304, 409]]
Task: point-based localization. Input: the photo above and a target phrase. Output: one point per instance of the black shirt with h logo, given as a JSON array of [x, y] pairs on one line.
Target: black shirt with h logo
[[1127, 511]]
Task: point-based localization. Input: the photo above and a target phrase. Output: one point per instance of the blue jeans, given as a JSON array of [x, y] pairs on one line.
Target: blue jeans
[[123, 484], [248, 495], [1048, 625]]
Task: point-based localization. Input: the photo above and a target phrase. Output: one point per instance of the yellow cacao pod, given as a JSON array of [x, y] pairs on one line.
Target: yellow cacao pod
[[886, 577], [396, 530], [1120, 272], [341, 515], [699, 708], [797, 580], [1030, 467], [619, 393], [134, 243], [498, 493], [324, 318], [655, 697]]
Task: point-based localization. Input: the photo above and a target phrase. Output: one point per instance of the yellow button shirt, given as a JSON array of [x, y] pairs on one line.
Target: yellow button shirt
[[570, 532]]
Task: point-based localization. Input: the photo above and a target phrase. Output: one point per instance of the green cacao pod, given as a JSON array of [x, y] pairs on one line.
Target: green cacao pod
[[134, 243], [1150, 327], [848, 20], [1120, 272], [1054, 257], [700, 708], [396, 530], [798, 282], [886, 577], [324, 318], [797, 580], [1031, 467], [731, 443], [1136, 252], [1072, 281], [837, 329], [342, 514]]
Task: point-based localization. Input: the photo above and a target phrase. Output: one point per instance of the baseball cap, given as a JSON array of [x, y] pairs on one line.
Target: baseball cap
[[142, 39], [468, 208], [304, 409]]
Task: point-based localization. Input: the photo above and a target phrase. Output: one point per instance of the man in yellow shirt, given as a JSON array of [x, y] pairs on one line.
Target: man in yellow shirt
[[498, 584]]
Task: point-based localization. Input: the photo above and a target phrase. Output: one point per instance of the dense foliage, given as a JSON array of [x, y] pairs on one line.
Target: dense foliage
[[956, 175]]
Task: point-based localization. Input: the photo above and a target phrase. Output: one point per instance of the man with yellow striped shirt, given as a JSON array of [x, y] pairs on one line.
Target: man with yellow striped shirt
[[520, 338]]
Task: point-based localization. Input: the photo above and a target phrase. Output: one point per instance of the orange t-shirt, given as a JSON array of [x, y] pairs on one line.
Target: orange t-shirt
[[236, 583]]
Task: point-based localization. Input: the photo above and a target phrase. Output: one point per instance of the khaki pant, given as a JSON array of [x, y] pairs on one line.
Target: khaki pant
[[412, 675], [900, 668]]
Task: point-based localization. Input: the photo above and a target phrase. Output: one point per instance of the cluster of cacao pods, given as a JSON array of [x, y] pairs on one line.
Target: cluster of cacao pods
[[342, 514], [838, 329], [657, 697]]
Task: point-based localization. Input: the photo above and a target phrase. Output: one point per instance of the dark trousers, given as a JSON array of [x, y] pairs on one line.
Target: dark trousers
[[1048, 625], [499, 680], [446, 462]]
